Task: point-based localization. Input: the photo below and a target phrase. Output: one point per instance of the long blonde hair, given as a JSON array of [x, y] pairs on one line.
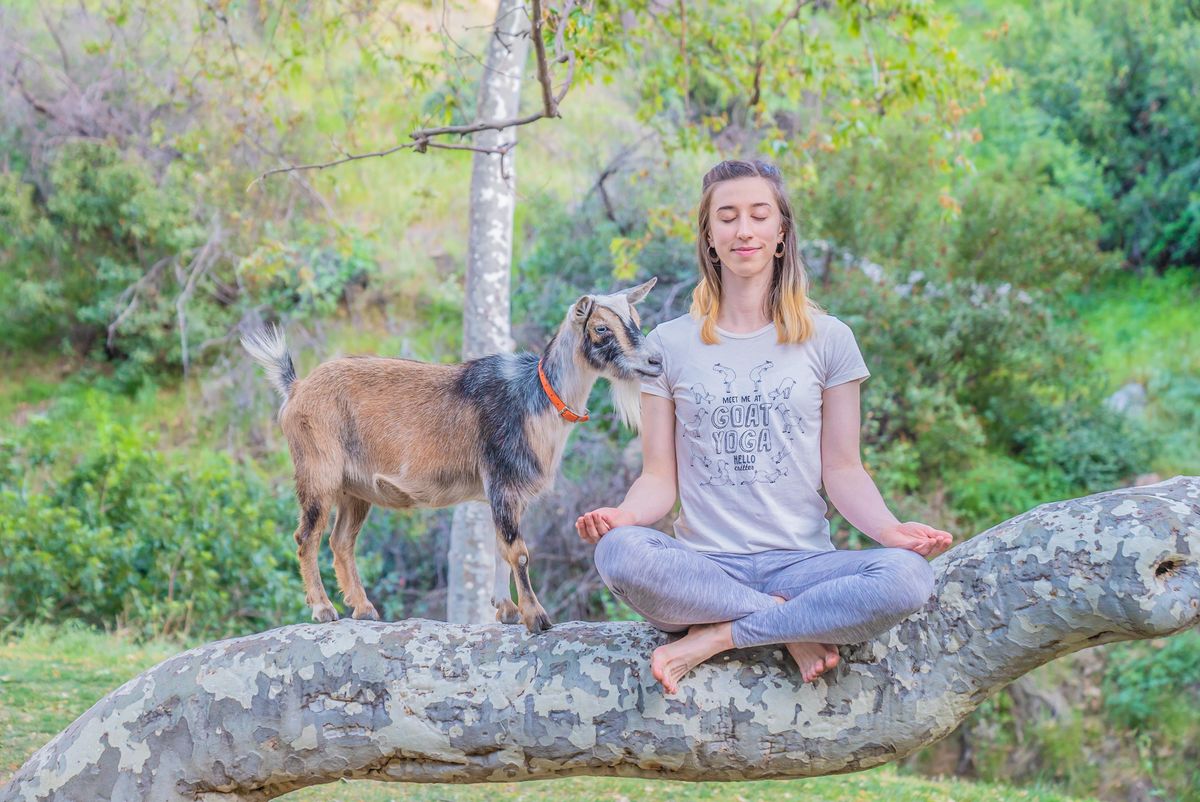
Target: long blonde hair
[[788, 303]]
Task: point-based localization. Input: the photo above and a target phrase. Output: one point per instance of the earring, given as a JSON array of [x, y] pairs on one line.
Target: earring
[[779, 250], [712, 255]]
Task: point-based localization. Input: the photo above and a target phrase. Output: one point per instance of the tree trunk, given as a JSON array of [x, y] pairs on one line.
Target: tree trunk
[[486, 328], [255, 717]]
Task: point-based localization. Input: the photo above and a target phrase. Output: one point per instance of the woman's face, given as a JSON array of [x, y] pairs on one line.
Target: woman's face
[[745, 225]]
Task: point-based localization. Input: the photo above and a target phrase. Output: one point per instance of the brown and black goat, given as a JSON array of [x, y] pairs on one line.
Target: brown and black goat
[[400, 433]]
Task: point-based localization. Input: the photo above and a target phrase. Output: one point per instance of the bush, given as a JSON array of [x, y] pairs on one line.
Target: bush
[[113, 259], [1147, 686], [97, 525], [1153, 689], [996, 487], [1116, 81], [1010, 222]]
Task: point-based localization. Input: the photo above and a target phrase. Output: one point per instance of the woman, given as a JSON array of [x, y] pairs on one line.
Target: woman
[[757, 407]]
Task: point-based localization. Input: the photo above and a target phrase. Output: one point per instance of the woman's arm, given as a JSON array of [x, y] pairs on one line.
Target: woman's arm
[[652, 495], [851, 488]]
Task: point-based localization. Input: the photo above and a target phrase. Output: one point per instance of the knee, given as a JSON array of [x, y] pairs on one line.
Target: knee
[[617, 553], [910, 578]]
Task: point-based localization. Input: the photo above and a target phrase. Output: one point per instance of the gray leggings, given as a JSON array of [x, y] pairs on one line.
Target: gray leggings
[[837, 596]]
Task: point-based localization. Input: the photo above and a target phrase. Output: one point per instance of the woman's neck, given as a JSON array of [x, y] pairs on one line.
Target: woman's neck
[[743, 302]]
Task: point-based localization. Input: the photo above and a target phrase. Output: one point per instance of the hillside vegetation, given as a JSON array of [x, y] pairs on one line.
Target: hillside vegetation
[[1000, 199]]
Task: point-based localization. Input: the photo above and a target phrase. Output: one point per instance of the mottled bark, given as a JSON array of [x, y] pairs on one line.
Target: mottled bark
[[486, 326], [254, 717]]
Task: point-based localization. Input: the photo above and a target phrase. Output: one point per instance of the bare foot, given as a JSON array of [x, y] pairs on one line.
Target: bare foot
[[672, 661], [814, 659]]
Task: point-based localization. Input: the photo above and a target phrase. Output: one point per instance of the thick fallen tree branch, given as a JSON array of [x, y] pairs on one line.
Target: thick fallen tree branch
[[255, 717]]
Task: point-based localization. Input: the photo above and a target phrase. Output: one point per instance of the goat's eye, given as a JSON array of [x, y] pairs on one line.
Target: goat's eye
[[602, 329]]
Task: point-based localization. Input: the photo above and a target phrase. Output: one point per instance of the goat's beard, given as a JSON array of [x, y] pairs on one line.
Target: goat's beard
[[627, 400]]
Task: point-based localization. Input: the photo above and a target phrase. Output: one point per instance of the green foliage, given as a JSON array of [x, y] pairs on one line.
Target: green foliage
[[1146, 333], [995, 487], [68, 259], [959, 367], [115, 261], [1117, 81], [1153, 689], [97, 524], [1008, 223], [1154, 686], [783, 79]]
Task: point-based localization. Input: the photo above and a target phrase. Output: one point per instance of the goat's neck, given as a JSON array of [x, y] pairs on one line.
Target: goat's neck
[[568, 372]]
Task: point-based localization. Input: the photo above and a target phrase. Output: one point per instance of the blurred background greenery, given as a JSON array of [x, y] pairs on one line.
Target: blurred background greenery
[[1001, 199]]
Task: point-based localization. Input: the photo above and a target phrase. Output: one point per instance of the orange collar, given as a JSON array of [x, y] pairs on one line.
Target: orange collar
[[562, 408]]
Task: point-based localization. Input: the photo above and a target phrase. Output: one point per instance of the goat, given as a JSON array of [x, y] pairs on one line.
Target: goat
[[400, 433]]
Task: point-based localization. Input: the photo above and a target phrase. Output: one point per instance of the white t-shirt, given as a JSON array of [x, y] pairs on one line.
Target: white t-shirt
[[748, 432]]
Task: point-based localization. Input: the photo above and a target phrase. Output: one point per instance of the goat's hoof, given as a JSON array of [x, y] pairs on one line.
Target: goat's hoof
[[324, 613], [507, 612], [537, 622], [368, 613]]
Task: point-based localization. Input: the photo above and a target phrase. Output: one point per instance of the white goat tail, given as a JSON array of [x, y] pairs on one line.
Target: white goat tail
[[269, 349]]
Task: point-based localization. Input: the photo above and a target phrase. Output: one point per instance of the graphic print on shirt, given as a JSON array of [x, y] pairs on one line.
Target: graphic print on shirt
[[739, 433], [722, 477], [727, 375]]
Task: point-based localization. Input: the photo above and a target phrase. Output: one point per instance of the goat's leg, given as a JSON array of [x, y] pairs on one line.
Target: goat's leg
[[506, 611], [314, 515], [506, 512], [351, 514]]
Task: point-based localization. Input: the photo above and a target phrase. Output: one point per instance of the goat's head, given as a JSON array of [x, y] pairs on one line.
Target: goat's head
[[610, 335]]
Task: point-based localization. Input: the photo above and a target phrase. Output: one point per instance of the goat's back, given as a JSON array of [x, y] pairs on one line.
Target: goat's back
[[354, 419]]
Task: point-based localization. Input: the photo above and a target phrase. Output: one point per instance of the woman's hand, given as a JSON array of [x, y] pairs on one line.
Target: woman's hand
[[595, 524], [921, 538]]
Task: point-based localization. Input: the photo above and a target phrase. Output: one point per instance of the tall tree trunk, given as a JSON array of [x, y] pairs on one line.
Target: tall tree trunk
[[486, 328], [253, 718]]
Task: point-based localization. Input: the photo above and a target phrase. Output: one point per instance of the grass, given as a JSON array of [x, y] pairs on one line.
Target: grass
[[1146, 331], [1145, 325], [50, 675]]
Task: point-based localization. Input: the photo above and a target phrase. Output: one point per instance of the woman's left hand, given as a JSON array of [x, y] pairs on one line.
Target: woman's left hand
[[918, 537]]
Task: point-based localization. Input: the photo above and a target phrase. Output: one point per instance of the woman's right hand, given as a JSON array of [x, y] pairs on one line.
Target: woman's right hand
[[596, 524]]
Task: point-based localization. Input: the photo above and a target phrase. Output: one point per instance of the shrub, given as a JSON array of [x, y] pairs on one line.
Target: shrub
[[96, 524], [113, 258], [1116, 81]]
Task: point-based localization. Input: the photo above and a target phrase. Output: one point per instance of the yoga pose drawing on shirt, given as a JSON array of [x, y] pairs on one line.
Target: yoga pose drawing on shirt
[[752, 562]]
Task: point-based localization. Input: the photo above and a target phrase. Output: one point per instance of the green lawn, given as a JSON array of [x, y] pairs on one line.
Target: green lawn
[[1146, 331], [48, 676]]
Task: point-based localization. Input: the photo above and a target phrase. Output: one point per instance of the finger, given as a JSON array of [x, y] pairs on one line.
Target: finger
[[589, 525]]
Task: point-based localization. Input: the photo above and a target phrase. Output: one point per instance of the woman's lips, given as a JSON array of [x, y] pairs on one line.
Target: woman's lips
[[745, 251]]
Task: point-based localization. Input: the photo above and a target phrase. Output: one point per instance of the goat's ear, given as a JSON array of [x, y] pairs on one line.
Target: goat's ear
[[582, 307], [637, 293]]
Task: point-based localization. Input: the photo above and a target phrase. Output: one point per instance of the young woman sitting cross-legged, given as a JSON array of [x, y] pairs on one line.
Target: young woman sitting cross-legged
[[757, 408]]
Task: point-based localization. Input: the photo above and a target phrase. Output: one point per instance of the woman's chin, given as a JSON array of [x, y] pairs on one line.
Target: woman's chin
[[746, 271]]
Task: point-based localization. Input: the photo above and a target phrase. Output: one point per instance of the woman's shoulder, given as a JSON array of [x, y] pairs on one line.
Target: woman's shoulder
[[683, 327], [827, 325]]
